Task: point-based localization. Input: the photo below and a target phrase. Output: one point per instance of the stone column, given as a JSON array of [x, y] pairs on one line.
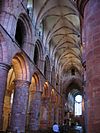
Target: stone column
[[19, 107], [92, 40], [6, 110], [35, 111], [4, 68], [52, 112], [44, 122]]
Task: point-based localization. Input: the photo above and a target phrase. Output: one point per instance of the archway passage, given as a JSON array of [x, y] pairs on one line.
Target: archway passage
[[74, 106], [21, 67], [21, 92], [8, 99], [35, 95]]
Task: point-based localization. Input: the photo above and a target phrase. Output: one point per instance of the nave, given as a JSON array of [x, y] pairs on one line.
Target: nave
[[49, 65]]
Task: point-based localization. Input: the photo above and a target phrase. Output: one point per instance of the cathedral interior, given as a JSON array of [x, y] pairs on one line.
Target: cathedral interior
[[49, 65]]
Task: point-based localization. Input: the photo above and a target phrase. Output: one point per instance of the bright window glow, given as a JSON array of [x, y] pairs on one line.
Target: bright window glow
[[30, 8], [11, 101], [78, 98], [29, 4], [78, 105]]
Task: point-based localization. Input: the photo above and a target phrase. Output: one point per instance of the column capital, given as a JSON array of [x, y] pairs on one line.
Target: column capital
[[21, 83]]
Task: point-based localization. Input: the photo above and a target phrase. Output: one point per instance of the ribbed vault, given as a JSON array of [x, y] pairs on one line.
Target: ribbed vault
[[61, 31]]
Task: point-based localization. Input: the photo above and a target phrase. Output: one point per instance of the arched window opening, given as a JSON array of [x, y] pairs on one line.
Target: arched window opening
[[36, 55], [30, 8], [11, 99], [78, 105], [20, 33], [47, 68]]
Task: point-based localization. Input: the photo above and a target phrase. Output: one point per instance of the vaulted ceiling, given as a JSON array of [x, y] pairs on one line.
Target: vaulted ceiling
[[61, 31]]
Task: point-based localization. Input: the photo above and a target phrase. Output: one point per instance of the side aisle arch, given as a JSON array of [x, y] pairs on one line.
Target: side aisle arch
[[21, 67], [21, 92]]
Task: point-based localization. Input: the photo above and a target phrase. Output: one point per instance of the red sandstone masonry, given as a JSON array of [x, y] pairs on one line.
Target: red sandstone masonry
[[19, 108], [3, 78], [92, 18]]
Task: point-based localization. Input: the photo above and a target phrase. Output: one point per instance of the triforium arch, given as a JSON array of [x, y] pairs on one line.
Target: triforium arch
[[38, 55], [23, 34], [47, 69], [21, 91]]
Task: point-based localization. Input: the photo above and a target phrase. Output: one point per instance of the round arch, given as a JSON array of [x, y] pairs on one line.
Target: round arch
[[38, 53], [47, 68], [35, 82], [33, 88], [23, 33], [18, 71], [21, 67]]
